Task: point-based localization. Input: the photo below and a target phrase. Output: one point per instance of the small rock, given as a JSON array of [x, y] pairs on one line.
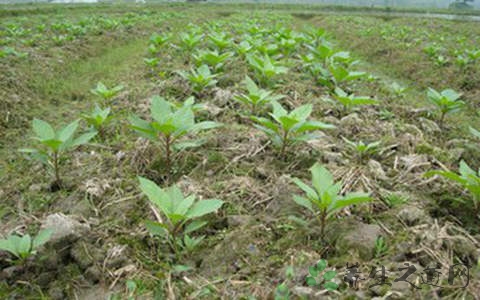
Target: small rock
[[456, 154], [333, 157], [361, 237], [414, 161], [351, 120], [116, 256], [429, 126], [85, 254], [303, 291], [56, 293], [65, 228], [212, 109], [35, 188], [222, 96], [402, 287], [331, 120], [239, 220], [93, 274], [377, 170], [44, 279], [413, 215], [10, 272]]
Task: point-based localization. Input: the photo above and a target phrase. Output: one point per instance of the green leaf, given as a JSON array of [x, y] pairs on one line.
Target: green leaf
[[329, 275], [24, 247], [308, 190], [205, 125], [194, 226], [160, 109], [7, 245], [301, 112], [42, 237], [475, 132], [322, 179], [156, 195], [181, 268], [204, 207], [67, 132], [321, 265], [156, 228], [311, 281], [83, 139], [43, 130], [330, 286], [303, 202], [313, 271]]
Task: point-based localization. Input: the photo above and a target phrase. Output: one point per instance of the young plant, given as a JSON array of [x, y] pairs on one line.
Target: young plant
[[220, 40], [324, 199], [288, 128], [98, 118], [190, 40], [266, 68], [447, 102], [474, 132], [350, 101], [468, 179], [244, 48], [380, 247], [159, 40], [170, 123], [105, 93], [339, 74], [256, 96], [54, 144], [151, 62], [24, 247], [361, 150], [398, 90], [181, 214], [200, 78], [212, 59]]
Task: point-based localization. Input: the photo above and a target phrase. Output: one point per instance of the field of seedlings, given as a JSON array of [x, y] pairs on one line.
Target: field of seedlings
[[201, 151]]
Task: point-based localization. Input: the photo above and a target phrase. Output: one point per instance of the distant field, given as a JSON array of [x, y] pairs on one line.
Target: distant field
[[237, 104]]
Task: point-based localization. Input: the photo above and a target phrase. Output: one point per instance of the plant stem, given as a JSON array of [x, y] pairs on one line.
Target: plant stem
[[55, 166], [284, 144], [323, 219], [440, 123], [167, 153]]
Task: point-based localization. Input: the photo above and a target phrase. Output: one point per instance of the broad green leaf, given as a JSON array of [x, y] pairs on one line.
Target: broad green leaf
[[475, 132], [156, 195], [322, 179], [24, 247], [83, 139], [313, 271], [42, 237], [329, 275], [321, 265], [312, 125], [7, 245], [204, 207], [301, 112], [308, 190], [160, 109], [156, 228], [181, 207], [43, 130], [194, 226], [303, 202], [330, 286], [205, 125], [67, 132]]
